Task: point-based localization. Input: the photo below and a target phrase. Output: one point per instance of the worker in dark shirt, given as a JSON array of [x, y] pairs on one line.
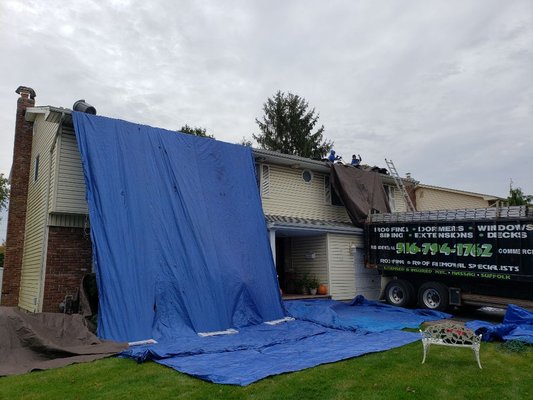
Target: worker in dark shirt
[[356, 160]]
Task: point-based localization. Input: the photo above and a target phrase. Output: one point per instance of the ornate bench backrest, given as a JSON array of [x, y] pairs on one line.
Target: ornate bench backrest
[[451, 333]]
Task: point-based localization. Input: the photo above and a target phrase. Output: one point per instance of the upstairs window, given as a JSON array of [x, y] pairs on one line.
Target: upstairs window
[[390, 192], [36, 169], [331, 196], [265, 181], [307, 176]]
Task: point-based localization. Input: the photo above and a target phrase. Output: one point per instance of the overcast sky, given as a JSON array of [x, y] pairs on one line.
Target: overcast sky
[[443, 88]]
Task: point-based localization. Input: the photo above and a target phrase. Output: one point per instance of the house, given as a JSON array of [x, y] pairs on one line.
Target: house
[[48, 247], [439, 198], [310, 230]]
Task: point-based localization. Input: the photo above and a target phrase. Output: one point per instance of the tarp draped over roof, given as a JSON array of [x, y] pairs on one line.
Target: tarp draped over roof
[[360, 191], [179, 238], [180, 247]]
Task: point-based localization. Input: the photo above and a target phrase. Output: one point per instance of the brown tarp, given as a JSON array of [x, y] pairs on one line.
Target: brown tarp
[[361, 191], [47, 340]]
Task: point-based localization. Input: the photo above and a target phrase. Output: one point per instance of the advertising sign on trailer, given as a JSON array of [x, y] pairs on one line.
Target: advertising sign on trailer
[[499, 249]]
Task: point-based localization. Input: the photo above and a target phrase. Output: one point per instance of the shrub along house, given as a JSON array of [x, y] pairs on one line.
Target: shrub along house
[[48, 247]]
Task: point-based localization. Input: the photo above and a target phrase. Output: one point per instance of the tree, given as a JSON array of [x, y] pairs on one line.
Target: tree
[[245, 142], [197, 131], [517, 197], [4, 192], [287, 127]]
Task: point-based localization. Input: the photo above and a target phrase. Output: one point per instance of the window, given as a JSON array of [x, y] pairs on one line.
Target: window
[[307, 175], [36, 169], [265, 181], [330, 194], [390, 191]]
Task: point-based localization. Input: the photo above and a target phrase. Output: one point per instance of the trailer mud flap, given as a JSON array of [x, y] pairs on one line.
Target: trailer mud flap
[[454, 296]]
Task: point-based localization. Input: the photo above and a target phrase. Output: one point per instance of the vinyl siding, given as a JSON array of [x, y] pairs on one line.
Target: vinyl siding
[[33, 253], [302, 264], [289, 195], [367, 281], [342, 284], [70, 188], [434, 199], [401, 206], [69, 221], [396, 202]]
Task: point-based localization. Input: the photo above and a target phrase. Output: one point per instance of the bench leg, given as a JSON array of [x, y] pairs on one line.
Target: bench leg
[[475, 350], [426, 350]]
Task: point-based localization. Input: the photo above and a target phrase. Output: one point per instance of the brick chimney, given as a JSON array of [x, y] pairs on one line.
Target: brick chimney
[[16, 223]]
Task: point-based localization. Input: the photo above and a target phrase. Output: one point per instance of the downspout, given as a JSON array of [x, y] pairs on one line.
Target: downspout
[[44, 253]]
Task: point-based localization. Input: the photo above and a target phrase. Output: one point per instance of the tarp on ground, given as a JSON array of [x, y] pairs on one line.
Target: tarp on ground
[[360, 315], [324, 331], [261, 350], [41, 341], [179, 238], [517, 324], [361, 191]]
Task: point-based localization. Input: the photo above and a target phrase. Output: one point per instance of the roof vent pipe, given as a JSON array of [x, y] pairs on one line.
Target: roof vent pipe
[[84, 107]]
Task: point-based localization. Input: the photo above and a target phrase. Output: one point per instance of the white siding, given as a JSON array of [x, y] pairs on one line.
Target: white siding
[[289, 195], [69, 221], [302, 261], [70, 188], [399, 200], [433, 199], [367, 281], [33, 253], [341, 265], [396, 200]]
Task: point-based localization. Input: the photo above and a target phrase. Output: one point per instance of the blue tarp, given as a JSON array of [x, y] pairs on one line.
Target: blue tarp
[[262, 350], [247, 366], [360, 315], [517, 324], [179, 238], [180, 246], [324, 331]]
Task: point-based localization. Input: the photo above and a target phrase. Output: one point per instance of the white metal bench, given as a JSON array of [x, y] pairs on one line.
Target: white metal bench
[[451, 334]]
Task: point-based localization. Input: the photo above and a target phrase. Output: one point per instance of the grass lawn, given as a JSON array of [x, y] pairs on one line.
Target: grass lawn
[[449, 373]]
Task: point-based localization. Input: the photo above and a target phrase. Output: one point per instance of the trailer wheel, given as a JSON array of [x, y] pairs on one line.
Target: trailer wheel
[[400, 293], [433, 296]]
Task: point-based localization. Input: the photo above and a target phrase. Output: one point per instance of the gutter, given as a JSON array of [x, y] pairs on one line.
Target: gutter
[[307, 228]]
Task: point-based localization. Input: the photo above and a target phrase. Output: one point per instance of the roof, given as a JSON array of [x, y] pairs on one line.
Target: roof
[[56, 114], [297, 162], [51, 114], [307, 224], [484, 196], [274, 157]]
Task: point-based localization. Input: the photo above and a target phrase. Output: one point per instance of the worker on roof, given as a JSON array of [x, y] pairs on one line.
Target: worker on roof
[[332, 157], [356, 160]]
